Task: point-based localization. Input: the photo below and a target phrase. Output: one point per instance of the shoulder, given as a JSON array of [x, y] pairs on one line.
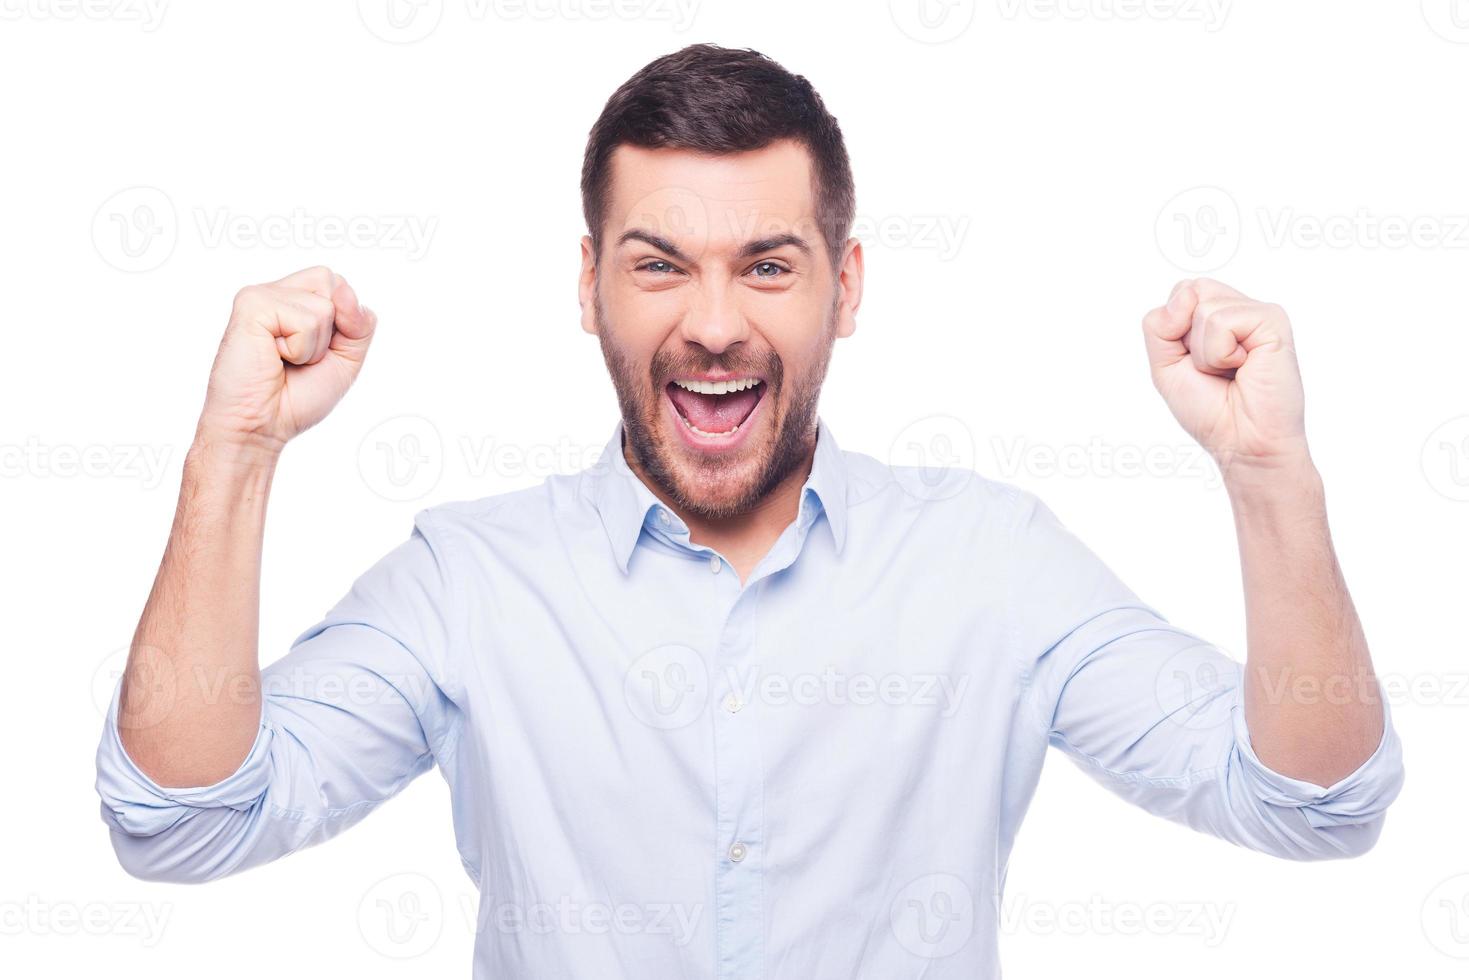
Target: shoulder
[[513, 520], [951, 495]]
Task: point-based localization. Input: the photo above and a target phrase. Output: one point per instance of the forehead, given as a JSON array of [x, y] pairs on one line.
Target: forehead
[[713, 201]]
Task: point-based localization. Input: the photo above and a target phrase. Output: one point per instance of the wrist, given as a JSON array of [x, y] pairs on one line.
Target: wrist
[[220, 448], [1285, 481], [241, 468]]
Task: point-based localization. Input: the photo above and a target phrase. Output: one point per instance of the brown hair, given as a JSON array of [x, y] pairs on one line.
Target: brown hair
[[721, 100]]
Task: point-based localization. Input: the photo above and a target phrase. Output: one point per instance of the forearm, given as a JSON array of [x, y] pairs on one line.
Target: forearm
[[190, 705], [1311, 700]]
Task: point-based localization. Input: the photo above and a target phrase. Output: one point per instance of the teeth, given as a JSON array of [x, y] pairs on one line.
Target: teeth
[[718, 387]]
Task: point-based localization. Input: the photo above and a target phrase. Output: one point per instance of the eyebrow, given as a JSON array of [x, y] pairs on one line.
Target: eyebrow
[[657, 241], [747, 250], [752, 249]]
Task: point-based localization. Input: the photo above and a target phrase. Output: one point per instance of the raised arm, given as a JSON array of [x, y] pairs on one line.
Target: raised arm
[[1292, 754], [190, 703], [1226, 365], [207, 764]]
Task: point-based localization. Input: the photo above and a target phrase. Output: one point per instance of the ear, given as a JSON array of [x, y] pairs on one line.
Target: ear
[[849, 287], [586, 286]]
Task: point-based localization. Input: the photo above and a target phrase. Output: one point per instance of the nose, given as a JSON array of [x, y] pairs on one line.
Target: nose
[[713, 321]]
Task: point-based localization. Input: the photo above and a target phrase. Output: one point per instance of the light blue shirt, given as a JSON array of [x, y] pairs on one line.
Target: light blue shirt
[[657, 772]]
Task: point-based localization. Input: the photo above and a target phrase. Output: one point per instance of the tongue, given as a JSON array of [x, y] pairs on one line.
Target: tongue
[[714, 413]]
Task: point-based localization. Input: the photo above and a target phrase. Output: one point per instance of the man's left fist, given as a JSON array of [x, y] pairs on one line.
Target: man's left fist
[[1226, 366]]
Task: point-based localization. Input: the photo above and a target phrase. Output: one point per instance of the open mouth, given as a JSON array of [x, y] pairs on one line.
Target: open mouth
[[715, 410]]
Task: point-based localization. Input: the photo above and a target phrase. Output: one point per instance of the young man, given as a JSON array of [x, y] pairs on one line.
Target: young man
[[734, 702]]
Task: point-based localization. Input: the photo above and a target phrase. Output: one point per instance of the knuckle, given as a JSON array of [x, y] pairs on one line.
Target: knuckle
[[320, 275]]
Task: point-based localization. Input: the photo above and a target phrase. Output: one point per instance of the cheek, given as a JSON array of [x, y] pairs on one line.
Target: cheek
[[795, 326], [643, 315]]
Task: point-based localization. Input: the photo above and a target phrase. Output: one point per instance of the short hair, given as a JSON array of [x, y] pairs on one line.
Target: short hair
[[721, 100]]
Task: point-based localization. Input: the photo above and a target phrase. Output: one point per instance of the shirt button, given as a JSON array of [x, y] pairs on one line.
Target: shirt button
[[737, 852], [663, 517], [733, 703], [715, 564]]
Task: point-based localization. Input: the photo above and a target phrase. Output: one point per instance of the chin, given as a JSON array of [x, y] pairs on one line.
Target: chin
[[716, 486]]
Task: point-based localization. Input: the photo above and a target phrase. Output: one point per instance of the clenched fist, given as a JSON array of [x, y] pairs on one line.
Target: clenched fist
[[1226, 366], [290, 352]]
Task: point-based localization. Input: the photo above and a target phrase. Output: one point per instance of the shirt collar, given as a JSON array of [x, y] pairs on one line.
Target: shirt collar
[[625, 503]]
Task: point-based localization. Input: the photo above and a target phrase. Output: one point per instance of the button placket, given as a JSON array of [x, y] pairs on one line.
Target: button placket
[[739, 799]]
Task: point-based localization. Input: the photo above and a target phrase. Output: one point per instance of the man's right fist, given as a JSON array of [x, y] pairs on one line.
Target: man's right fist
[[289, 354]]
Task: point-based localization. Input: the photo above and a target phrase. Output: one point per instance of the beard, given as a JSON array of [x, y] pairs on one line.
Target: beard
[[713, 487]]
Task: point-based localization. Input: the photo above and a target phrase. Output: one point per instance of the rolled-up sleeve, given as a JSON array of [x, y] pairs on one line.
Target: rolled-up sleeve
[[364, 702], [1156, 714]]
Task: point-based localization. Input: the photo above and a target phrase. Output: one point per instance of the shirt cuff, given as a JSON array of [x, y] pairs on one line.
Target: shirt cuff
[[1359, 797], [134, 804]]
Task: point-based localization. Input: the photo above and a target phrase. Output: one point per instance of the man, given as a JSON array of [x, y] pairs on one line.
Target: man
[[734, 702]]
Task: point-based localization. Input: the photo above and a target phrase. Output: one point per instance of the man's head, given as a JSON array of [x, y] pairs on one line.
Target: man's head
[[719, 198]]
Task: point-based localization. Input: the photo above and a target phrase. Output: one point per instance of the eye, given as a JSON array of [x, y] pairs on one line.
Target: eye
[[768, 270], [659, 267]]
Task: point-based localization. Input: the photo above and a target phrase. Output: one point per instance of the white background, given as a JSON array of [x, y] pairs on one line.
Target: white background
[[1019, 166]]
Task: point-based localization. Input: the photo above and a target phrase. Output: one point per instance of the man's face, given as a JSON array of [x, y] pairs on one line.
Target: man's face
[[716, 305]]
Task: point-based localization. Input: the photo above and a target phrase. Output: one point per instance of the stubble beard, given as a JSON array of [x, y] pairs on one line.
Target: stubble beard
[[713, 488]]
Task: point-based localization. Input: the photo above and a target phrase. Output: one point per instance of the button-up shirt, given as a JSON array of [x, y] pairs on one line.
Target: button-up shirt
[[658, 770]]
